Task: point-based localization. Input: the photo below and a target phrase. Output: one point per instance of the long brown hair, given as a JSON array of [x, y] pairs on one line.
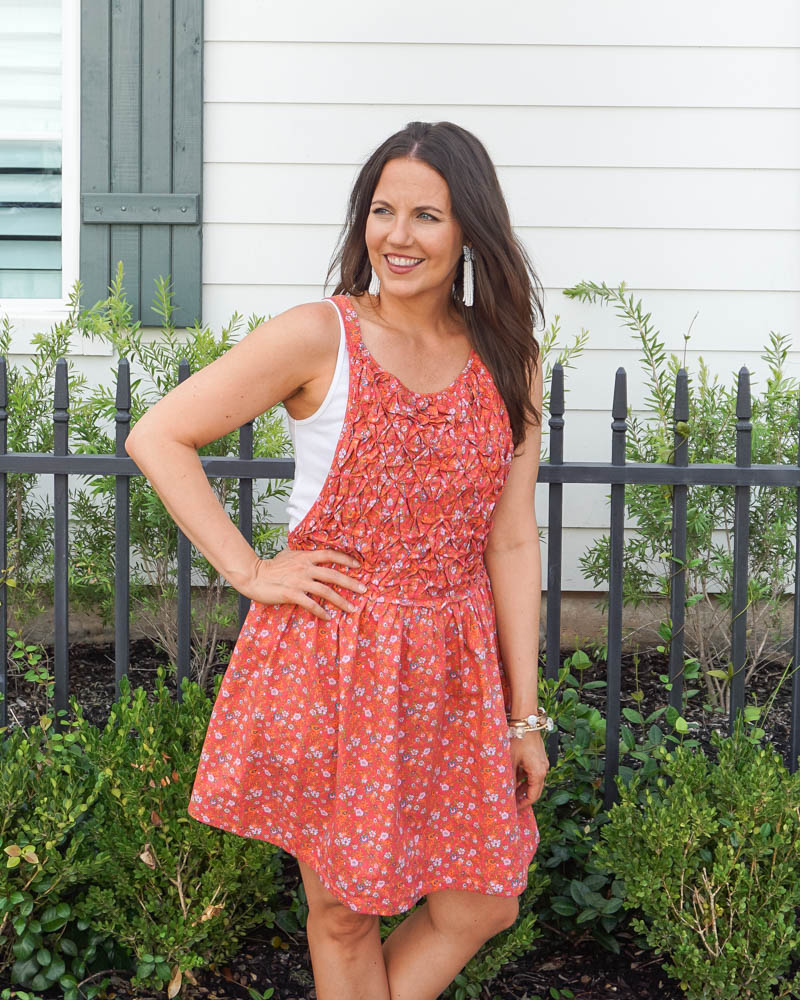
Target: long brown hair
[[507, 301]]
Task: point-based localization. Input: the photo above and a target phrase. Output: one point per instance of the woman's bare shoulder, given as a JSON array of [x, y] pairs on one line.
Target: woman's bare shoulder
[[310, 323], [272, 362], [303, 341]]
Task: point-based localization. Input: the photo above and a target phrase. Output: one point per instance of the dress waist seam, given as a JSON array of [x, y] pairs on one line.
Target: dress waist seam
[[480, 584]]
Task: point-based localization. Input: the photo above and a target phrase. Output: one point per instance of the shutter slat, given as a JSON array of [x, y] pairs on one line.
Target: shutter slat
[[187, 145], [157, 86], [126, 115], [95, 241]]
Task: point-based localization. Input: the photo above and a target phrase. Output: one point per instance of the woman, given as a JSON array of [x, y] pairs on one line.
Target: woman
[[361, 724]]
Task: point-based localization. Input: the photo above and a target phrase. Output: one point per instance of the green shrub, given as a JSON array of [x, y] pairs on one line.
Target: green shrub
[[176, 893], [48, 789], [104, 866], [709, 857], [711, 430], [583, 896]]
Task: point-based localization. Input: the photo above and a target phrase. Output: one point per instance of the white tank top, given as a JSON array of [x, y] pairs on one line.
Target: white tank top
[[315, 438]]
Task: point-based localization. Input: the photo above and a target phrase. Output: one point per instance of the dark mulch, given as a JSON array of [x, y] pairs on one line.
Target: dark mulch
[[555, 963], [590, 973]]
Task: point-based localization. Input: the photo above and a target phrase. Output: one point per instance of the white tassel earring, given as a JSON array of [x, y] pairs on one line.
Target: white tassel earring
[[469, 280], [374, 283]]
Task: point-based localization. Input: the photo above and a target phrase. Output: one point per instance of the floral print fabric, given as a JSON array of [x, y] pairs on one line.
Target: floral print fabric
[[374, 746]]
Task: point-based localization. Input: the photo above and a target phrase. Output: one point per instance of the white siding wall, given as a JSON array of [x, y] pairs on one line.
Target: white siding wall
[[659, 145], [655, 144]]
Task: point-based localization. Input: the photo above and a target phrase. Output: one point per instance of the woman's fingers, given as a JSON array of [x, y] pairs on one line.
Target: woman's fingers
[[322, 575], [322, 590], [294, 576], [304, 601], [331, 555], [529, 789], [334, 576]]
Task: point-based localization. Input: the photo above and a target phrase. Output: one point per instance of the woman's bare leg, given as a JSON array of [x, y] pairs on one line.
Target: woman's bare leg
[[345, 946], [426, 952]]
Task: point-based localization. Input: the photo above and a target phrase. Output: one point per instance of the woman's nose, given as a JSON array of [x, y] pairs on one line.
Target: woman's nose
[[399, 234]]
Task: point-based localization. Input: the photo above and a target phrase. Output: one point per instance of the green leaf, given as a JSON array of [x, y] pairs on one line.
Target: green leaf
[[579, 892], [632, 715], [722, 675]]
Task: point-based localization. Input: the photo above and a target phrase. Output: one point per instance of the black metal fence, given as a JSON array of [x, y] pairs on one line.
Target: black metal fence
[[680, 474]]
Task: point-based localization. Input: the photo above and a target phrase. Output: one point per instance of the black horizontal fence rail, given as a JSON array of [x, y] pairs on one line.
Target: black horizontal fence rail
[[618, 473]]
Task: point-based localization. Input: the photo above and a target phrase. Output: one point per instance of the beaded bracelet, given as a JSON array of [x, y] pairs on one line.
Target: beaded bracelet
[[533, 723]]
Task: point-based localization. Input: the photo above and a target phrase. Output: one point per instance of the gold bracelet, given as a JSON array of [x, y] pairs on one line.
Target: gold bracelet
[[534, 723]]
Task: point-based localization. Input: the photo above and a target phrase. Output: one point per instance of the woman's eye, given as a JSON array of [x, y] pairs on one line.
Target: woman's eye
[[428, 215], [377, 211]]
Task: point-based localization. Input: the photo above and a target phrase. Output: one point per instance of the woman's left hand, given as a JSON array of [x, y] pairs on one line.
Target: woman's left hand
[[530, 763]]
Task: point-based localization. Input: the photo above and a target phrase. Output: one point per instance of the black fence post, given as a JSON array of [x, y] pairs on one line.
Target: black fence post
[[677, 587], [184, 665], [61, 544], [3, 544], [616, 543], [555, 509], [741, 544], [122, 531], [245, 504]]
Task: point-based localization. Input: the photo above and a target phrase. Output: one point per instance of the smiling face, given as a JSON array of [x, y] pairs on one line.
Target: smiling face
[[413, 240]]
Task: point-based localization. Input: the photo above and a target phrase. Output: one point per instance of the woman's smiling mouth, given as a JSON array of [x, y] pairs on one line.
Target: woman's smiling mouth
[[402, 265]]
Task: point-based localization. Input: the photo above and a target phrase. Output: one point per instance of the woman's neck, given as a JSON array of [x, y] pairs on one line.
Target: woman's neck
[[430, 312]]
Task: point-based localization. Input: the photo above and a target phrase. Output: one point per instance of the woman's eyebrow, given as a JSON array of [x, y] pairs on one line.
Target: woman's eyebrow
[[419, 208]]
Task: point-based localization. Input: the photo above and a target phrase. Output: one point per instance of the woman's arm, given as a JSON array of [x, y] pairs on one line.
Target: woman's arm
[[272, 362], [513, 562]]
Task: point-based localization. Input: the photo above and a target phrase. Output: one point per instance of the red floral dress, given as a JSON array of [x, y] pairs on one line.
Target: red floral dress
[[374, 746]]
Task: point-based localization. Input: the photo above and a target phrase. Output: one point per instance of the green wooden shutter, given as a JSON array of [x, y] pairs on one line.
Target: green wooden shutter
[[142, 151]]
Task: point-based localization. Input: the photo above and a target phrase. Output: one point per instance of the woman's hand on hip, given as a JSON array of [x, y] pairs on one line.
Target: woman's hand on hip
[[293, 575]]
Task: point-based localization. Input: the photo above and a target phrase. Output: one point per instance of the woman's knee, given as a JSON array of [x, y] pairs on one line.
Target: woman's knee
[[328, 913], [338, 921], [459, 912]]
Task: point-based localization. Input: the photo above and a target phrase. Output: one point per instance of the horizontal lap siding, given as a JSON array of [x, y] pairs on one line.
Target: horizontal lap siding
[[740, 314], [500, 75], [659, 145], [681, 138], [567, 197], [643, 258], [585, 22]]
